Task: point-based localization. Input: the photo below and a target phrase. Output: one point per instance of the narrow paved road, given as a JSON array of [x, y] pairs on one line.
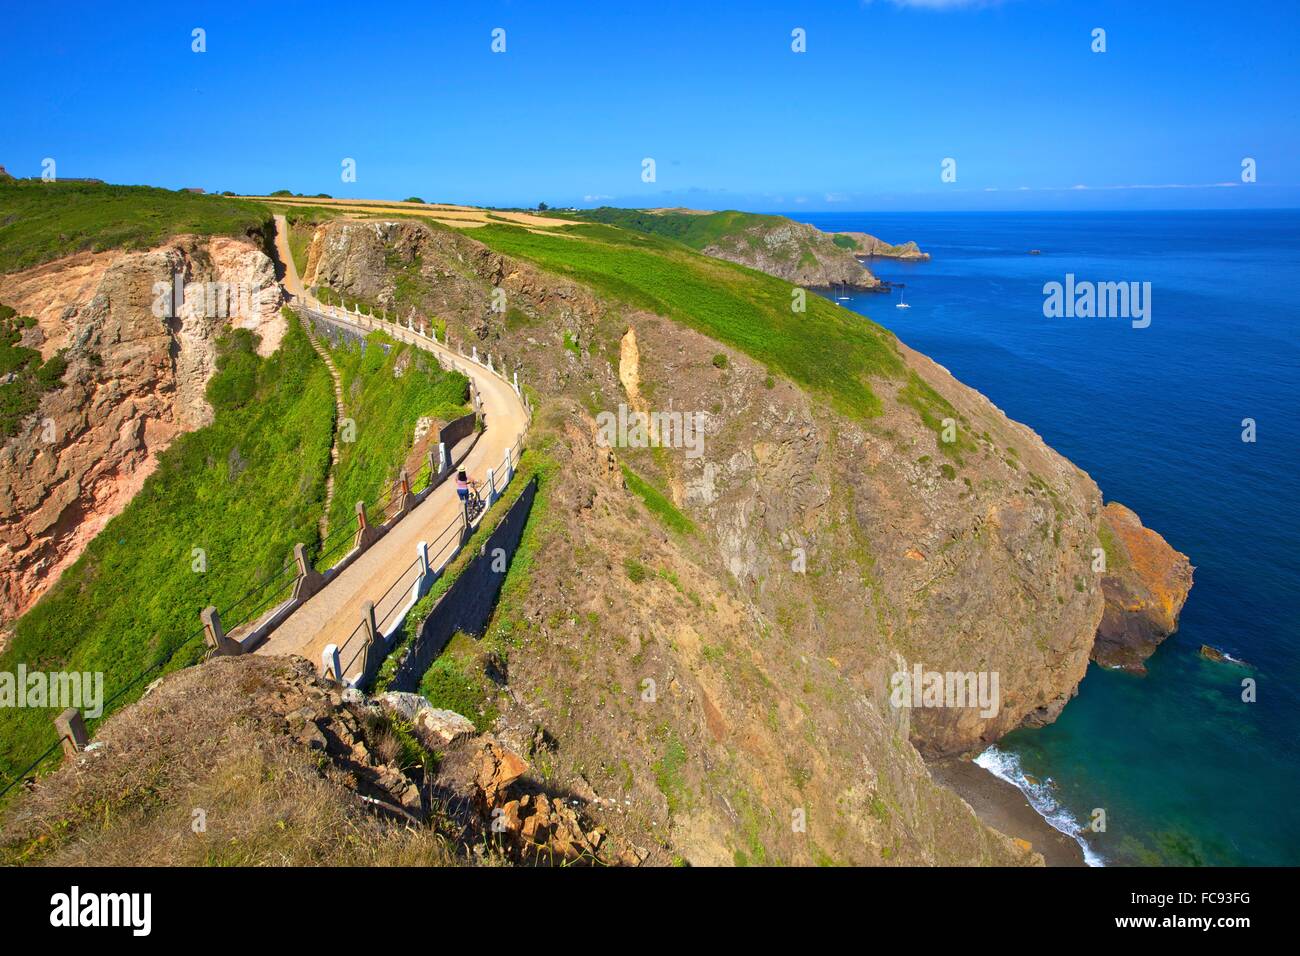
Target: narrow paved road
[[331, 616], [291, 280]]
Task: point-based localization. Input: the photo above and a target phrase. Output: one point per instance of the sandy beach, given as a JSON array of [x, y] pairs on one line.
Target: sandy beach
[[1002, 806]]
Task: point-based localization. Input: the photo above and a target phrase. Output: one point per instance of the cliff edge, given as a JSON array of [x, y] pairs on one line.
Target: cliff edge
[[1145, 585]]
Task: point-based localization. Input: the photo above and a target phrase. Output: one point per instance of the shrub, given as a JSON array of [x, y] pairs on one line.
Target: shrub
[[237, 366]]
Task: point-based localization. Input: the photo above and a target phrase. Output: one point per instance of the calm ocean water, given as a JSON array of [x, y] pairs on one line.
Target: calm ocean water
[[1186, 772]]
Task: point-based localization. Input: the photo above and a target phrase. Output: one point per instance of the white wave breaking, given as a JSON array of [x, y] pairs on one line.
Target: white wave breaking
[[1006, 766]]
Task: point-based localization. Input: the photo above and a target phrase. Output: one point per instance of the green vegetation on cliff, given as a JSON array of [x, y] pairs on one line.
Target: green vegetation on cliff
[[221, 513], [457, 680], [829, 350], [32, 377], [40, 221], [657, 503], [388, 387]]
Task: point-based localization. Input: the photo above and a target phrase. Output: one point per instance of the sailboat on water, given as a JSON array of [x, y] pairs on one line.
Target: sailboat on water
[[900, 304], [841, 297]]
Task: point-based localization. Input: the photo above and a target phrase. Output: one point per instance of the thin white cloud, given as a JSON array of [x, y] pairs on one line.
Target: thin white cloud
[[1082, 187], [944, 4]]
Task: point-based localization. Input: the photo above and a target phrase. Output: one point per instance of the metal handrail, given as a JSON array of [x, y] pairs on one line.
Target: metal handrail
[[347, 667], [380, 618], [261, 606]]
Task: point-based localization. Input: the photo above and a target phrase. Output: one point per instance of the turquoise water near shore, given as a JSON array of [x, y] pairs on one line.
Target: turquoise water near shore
[[1187, 773]]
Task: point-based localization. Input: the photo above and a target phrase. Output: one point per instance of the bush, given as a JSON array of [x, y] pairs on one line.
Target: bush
[[719, 361], [50, 375], [31, 378], [237, 367], [635, 570]]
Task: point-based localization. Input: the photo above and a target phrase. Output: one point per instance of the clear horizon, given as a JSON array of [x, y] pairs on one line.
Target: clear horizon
[[1009, 97]]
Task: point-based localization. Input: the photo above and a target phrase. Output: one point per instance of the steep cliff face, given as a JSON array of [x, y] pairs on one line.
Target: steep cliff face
[[967, 558], [135, 381], [1146, 584], [971, 555], [832, 553]]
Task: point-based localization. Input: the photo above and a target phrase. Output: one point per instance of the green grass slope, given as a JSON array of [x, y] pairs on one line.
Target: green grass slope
[[696, 230], [832, 351], [385, 407], [244, 489], [42, 221]]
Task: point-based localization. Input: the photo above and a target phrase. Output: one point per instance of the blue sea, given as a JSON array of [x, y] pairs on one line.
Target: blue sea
[[1186, 772]]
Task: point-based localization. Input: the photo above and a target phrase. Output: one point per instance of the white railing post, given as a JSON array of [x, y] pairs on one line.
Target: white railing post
[[507, 468], [443, 463], [491, 487], [516, 384], [422, 549], [474, 353], [329, 663]]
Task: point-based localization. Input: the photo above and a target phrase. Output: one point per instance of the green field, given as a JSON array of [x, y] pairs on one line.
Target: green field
[[41, 221], [829, 350], [385, 408], [244, 489], [694, 230]]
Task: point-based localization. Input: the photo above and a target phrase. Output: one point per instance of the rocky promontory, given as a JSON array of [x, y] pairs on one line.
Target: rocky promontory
[[869, 246], [1145, 585], [796, 252]]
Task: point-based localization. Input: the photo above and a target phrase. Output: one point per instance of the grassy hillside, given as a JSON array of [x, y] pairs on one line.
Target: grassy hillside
[[41, 221], [694, 230], [386, 406], [826, 349], [244, 489]]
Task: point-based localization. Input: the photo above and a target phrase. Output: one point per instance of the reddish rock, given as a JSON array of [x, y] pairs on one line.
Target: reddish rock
[[498, 769], [1145, 585]]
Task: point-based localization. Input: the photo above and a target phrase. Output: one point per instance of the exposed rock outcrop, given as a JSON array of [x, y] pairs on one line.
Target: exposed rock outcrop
[[136, 380], [1146, 584], [968, 557], [796, 252], [289, 768], [871, 247], [832, 553]]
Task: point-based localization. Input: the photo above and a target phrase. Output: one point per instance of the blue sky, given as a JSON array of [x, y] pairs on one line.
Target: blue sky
[[712, 91]]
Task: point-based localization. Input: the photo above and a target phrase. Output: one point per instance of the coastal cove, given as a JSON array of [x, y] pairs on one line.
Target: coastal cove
[[1185, 771]]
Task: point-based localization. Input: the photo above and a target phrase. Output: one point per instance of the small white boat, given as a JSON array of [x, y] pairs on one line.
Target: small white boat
[[900, 304]]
